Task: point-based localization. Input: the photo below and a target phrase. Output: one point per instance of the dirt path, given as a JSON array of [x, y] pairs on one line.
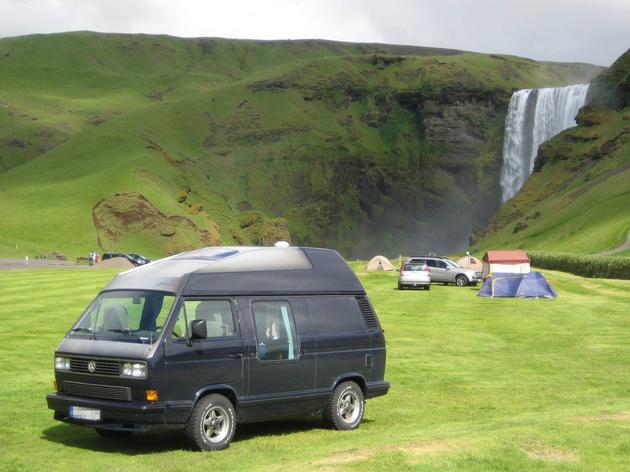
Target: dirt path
[[624, 247]]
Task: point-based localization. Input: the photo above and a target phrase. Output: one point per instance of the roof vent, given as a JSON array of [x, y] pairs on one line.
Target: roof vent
[[282, 244]]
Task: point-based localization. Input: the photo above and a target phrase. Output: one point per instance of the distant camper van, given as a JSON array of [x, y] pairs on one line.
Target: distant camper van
[[206, 339]]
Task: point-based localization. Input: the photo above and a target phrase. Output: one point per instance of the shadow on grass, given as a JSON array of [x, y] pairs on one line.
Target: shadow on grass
[[474, 288], [87, 438], [152, 442]]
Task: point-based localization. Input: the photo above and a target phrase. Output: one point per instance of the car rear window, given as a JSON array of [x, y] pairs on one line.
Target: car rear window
[[417, 261], [414, 267]]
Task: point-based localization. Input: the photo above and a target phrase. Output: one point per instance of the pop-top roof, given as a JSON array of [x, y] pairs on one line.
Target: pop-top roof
[[243, 271], [517, 256]]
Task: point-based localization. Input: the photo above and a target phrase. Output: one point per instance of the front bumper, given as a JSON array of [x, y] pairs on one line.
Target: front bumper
[[121, 415]]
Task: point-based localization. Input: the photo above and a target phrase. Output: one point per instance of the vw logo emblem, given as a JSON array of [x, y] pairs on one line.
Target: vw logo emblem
[[92, 366]]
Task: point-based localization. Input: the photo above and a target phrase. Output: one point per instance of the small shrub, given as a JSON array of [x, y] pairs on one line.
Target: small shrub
[[520, 226], [250, 218], [182, 196]]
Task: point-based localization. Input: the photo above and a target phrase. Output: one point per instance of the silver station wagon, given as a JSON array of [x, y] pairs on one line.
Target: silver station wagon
[[446, 271], [414, 275]]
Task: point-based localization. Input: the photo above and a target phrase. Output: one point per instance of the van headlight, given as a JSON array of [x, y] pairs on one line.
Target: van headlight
[[136, 370], [62, 363]]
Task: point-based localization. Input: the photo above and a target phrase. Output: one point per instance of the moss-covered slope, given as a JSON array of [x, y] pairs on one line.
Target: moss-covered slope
[[156, 143]]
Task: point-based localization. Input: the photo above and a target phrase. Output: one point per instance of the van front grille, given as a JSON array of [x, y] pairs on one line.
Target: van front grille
[[102, 367], [368, 312], [107, 392]]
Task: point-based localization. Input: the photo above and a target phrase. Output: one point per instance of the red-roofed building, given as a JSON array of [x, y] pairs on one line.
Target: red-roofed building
[[512, 262]]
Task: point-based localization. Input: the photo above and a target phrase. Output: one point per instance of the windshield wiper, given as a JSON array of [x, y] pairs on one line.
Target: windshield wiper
[[89, 330], [124, 331]]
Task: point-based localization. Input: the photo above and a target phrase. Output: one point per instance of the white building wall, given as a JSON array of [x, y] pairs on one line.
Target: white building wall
[[521, 268]]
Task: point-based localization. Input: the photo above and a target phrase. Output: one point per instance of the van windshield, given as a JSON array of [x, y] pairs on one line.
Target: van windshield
[[124, 315]]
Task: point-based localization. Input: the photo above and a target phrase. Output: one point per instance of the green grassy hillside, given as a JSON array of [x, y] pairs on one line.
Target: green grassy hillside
[[476, 384], [157, 144], [578, 198]]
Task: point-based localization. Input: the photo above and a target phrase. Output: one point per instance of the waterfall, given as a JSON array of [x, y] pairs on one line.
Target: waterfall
[[534, 116]]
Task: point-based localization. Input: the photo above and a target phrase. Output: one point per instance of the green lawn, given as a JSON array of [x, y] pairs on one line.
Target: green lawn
[[477, 384]]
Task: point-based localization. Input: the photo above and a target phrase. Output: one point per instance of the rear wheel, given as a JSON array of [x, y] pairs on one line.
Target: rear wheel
[[400, 286], [212, 423], [461, 280], [427, 287], [345, 407]]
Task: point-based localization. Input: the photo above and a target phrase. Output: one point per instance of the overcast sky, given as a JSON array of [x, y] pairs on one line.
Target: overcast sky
[[595, 31]]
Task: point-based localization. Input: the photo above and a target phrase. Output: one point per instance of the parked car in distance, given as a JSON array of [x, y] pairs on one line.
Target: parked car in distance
[[138, 260], [207, 339], [135, 259], [414, 275], [446, 271]]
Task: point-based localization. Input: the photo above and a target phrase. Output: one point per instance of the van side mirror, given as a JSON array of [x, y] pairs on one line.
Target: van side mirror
[[198, 329]]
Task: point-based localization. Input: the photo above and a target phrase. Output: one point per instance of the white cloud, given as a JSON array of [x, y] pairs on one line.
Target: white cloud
[[563, 30]]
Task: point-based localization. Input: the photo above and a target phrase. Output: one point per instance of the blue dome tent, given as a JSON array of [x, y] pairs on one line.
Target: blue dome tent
[[503, 285]]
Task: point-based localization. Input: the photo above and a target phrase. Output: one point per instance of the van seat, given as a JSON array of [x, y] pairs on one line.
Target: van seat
[[115, 318]]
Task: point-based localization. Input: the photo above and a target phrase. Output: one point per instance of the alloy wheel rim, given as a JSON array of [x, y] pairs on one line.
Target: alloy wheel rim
[[215, 424], [349, 407]]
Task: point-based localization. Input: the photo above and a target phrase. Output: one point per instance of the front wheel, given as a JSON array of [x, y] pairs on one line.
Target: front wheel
[[345, 407], [461, 280], [400, 286], [212, 423]]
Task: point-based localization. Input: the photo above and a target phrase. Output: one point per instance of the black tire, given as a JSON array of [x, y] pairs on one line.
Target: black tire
[[400, 286], [212, 423], [461, 280], [337, 414], [427, 287], [112, 433]]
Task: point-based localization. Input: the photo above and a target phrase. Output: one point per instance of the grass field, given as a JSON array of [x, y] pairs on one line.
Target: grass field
[[477, 384]]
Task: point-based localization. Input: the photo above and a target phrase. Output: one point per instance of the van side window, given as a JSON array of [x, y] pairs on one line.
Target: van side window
[[335, 314], [275, 330], [217, 313]]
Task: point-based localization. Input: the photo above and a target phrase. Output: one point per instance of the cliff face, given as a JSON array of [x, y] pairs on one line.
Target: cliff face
[[405, 170], [365, 148], [611, 88], [578, 197]]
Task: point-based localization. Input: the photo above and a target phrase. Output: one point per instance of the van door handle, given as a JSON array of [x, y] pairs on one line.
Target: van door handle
[[236, 355]]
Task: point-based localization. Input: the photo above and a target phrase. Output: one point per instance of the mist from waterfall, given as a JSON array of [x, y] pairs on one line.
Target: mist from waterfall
[[534, 116]]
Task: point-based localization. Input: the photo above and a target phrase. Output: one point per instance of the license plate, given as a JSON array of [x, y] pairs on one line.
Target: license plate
[[81, 413]]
